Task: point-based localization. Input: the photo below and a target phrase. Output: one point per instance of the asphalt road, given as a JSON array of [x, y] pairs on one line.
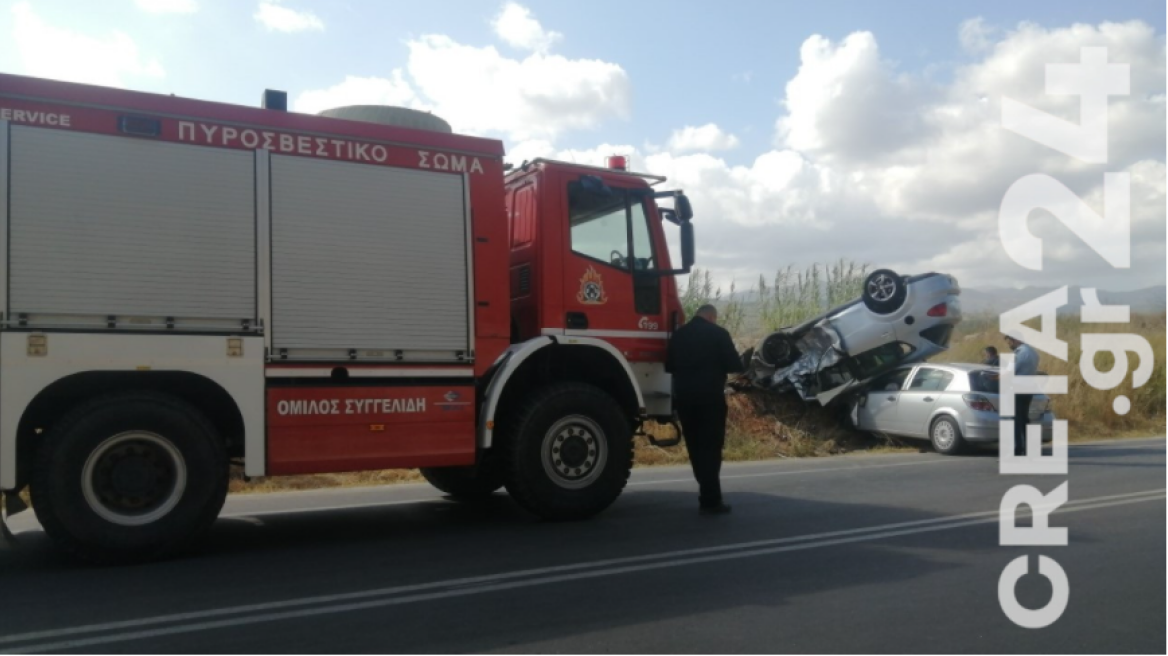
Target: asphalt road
[[891, 553]]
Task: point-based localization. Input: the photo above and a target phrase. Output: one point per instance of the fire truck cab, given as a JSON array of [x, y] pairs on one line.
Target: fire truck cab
[[187, 285]]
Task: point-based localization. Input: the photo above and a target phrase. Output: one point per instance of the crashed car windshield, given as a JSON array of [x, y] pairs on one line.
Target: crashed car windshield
[[896, 320]]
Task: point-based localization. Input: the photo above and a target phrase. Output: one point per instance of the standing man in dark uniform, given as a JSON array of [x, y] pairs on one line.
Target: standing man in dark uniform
[[701, 353]]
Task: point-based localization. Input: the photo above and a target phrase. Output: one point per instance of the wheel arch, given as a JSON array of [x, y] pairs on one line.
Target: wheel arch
[[55, 400], [546, 359]]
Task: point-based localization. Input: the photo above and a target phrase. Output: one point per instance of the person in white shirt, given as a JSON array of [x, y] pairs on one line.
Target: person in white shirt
[[1025, 364]]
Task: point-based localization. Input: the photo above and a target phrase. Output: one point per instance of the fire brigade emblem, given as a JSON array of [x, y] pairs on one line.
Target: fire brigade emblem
[[592, 289]]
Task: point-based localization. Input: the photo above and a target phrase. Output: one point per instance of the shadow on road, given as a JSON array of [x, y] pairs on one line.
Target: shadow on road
[[298, 554]]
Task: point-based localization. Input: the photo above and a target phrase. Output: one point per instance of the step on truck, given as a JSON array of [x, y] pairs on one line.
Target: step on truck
[[189, 285]]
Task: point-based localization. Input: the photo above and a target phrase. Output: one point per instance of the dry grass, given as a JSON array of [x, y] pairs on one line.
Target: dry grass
[[238, 485], [1088, 410]]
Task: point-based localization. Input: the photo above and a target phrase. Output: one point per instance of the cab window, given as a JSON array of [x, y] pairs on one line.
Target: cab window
[[600, 227]]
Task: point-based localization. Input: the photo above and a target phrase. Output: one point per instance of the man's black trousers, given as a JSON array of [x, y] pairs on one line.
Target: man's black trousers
[[704, 424], [1021, 418]]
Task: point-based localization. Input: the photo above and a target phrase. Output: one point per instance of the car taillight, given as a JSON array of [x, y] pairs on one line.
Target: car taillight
[[939, 310], [978, 402]]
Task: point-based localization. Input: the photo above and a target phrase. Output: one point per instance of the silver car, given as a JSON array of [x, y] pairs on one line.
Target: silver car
[[897, 319], [951, 405]]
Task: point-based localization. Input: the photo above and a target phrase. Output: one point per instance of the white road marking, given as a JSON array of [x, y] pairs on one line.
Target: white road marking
[[526, 578], [814, 470]]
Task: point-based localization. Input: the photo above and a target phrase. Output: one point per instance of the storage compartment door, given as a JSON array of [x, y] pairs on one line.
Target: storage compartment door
[[368, 262], [116, 226]]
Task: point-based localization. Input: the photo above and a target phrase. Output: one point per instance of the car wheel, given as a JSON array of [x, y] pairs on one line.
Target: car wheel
[[884, 291], [946, 437], [778, 350]]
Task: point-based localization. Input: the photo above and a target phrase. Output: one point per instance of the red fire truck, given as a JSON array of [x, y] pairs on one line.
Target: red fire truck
[[188, 285]]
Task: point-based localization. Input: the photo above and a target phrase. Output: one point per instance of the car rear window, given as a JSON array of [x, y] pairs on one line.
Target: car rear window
[[984, 381]]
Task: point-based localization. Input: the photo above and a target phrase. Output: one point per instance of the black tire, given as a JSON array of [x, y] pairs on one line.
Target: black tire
[[884, 291], [778, 350], [946, 437], [465, 483], [129, 477], [550, 433]]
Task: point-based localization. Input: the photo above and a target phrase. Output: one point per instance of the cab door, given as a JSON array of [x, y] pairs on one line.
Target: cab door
[[612, 286]]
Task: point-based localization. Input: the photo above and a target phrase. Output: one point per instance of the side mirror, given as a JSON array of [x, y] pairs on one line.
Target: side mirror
[[687, 243], [667, 214], [684, 211]]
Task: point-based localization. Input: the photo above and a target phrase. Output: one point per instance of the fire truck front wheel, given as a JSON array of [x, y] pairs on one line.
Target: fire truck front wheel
[[570, 452], [129, 477]]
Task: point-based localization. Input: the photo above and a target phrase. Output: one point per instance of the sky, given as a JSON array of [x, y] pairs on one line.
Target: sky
[[802, 132]]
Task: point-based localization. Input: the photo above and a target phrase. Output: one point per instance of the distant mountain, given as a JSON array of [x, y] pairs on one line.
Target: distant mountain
[[996, 301], [1150, 300]]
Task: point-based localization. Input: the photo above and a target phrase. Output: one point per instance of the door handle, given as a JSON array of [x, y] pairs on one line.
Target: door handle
[[928, 399], [892, 398]]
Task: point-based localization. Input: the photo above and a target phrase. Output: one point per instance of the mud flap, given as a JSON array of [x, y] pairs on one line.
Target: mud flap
[[10, 504]]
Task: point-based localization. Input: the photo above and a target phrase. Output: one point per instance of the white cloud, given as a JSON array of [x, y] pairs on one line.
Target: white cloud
[[975, 35], [705, 138], [46, 50], [481, 92], [517, 27], [525, 151], [864, 181], [846, 102], [277, 18], [168, 6], [356, 90]]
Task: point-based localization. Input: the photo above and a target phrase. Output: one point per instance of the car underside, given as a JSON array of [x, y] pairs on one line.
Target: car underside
[[896, 320]]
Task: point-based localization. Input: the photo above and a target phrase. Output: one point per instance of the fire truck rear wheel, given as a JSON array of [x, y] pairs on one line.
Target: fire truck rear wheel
[[129, 477], [465, 483], [570, 452]]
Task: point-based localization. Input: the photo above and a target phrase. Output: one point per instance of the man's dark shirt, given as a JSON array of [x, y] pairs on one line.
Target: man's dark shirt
[[994, 361], [700, 355]]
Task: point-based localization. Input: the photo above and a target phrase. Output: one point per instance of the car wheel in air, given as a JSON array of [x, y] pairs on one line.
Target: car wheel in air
[[884, 291], [778, 350]]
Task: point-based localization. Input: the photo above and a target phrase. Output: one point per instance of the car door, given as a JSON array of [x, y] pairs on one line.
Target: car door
[[919, 399], [878, 408]]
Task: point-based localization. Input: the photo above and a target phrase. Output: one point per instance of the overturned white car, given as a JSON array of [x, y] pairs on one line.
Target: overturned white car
[[897, 320]]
